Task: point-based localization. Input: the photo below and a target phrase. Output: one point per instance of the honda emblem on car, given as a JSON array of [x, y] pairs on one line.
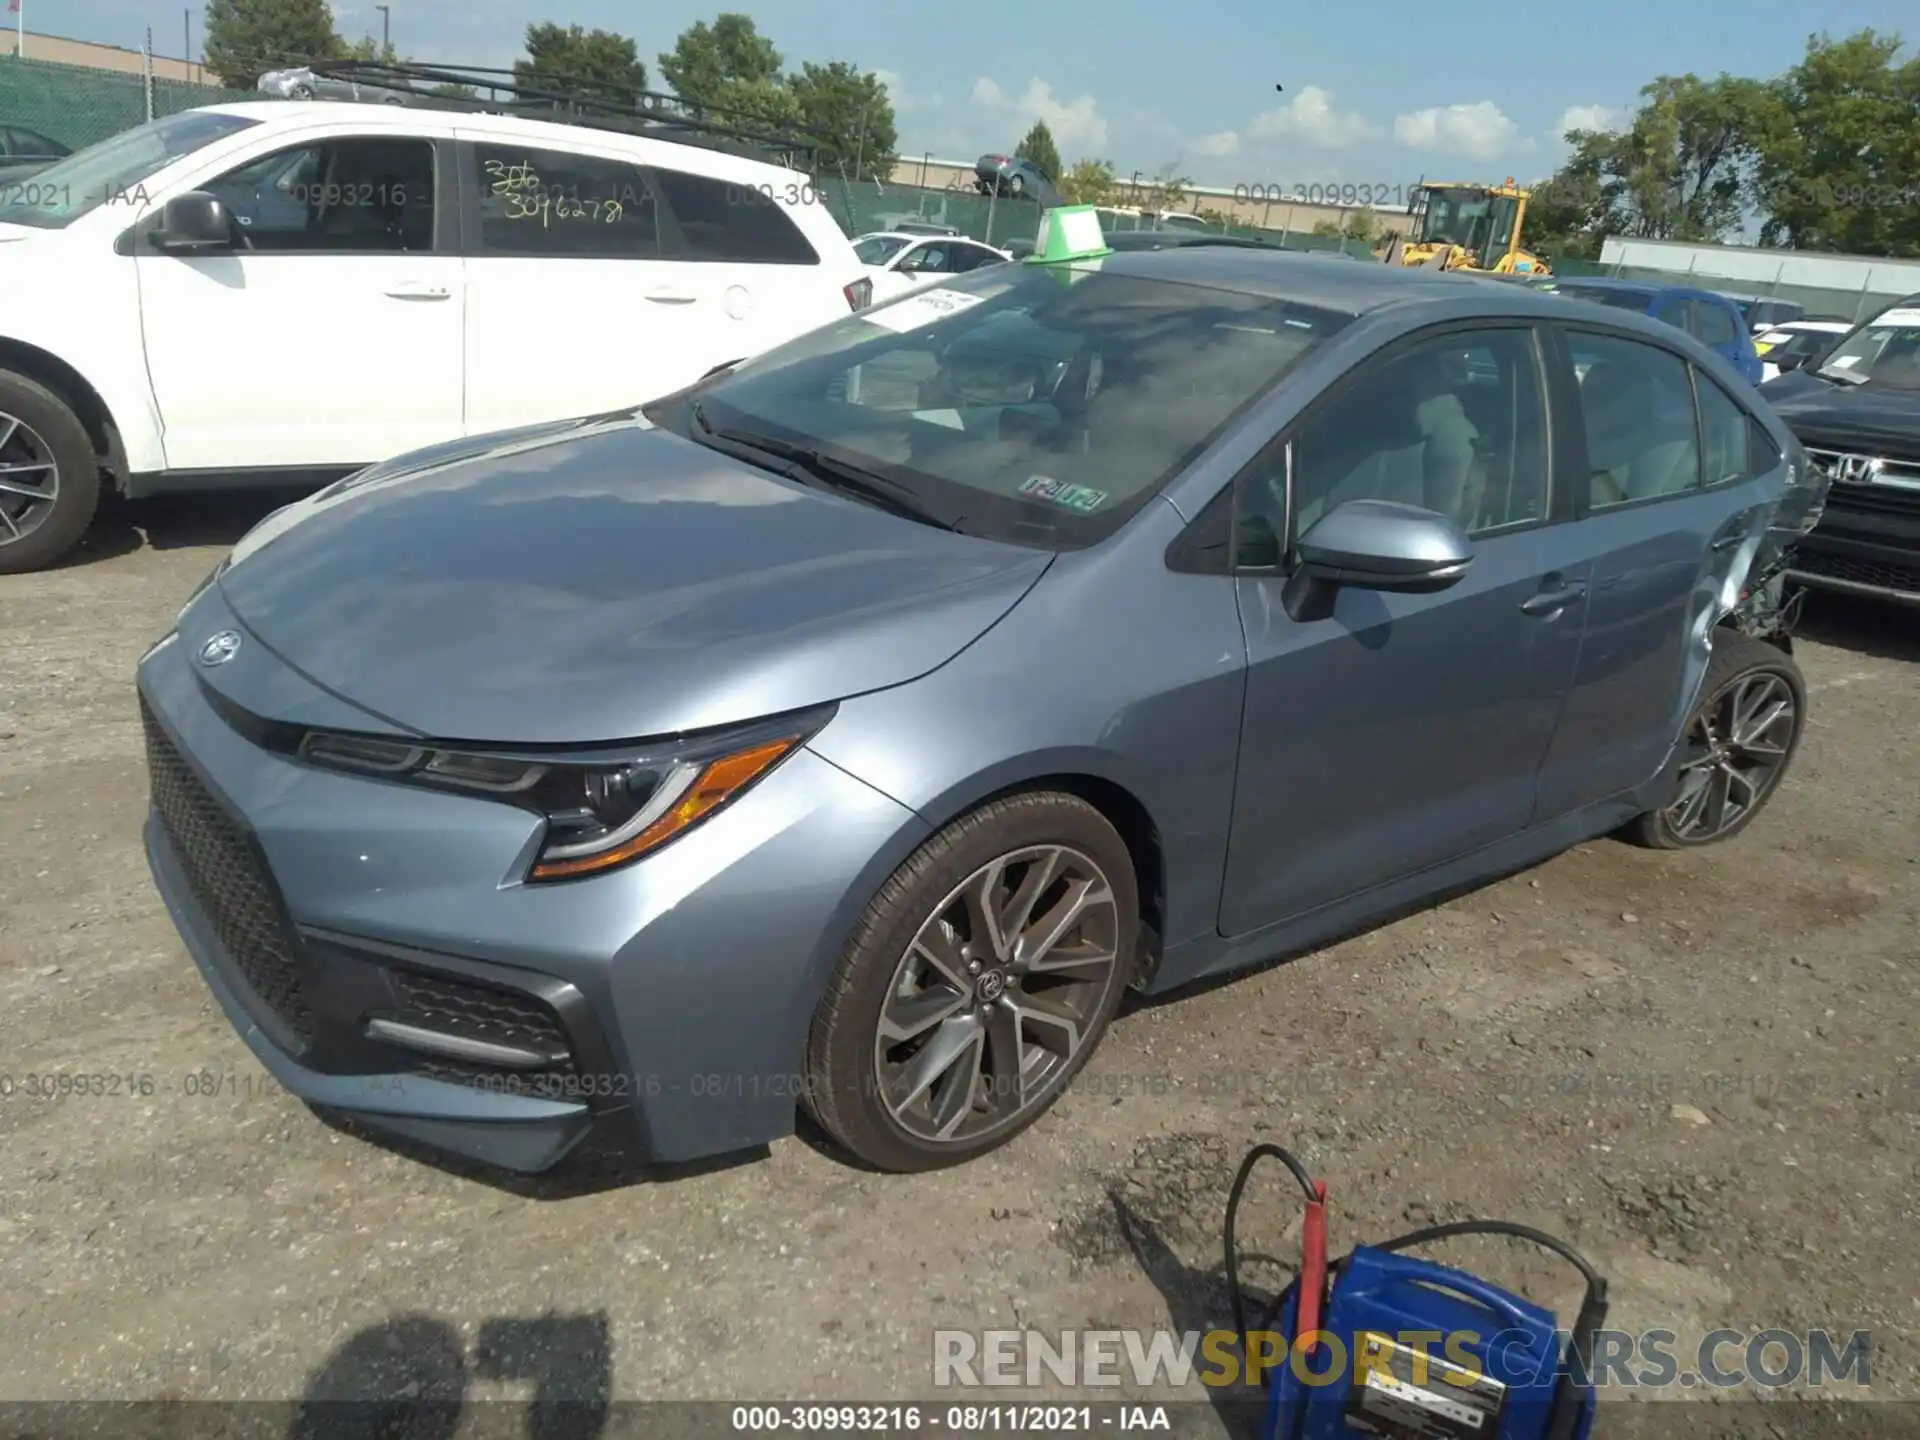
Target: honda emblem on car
[[220, 648], [1857, 469]]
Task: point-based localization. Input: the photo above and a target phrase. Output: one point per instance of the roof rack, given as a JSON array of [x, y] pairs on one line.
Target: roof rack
[[651, 113]]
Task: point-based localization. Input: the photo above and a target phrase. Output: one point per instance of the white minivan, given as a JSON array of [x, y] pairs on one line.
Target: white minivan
[[285, 291]]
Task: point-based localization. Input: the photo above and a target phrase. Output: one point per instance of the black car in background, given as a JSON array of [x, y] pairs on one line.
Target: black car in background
[[1857, 410], [24, 152]]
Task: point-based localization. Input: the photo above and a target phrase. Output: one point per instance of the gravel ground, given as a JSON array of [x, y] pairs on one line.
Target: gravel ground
[[1702, 1069]]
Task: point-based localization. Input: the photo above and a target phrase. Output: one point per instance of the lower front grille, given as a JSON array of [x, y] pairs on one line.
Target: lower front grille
[[1877, 573], [484, 1013], [230, 882]]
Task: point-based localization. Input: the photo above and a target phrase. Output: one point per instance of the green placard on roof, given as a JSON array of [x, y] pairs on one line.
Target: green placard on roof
[[1067, 234]]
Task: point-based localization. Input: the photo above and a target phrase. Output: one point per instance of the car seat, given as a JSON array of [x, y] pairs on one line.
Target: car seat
[[1633, 452]]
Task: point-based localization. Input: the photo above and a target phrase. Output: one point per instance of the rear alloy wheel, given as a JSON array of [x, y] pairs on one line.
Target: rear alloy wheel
[[978, 983], [49, 476], [1738, 745]]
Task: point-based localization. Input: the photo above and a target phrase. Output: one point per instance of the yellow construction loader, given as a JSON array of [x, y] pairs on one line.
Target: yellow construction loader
[[1459, 226]]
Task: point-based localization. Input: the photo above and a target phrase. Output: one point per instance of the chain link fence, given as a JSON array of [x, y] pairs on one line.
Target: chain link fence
[[79, 106]]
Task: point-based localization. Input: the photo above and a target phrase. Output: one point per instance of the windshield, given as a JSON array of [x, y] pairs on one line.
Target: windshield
[[878, 249], [1606, 295], [1456, 217], [113, 171], [1882, 352], [1023, 403]]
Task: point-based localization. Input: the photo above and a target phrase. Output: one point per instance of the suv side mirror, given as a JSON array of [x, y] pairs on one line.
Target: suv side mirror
[[194, 222], [1375, 545]]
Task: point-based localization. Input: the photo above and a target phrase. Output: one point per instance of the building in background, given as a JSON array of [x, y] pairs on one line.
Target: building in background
[[61, 51]]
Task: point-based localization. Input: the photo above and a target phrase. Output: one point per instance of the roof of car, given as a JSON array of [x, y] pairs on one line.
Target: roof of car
[[1328, 280], [918, 235]]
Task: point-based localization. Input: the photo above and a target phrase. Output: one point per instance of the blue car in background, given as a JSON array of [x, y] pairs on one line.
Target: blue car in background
[[1709, 317]]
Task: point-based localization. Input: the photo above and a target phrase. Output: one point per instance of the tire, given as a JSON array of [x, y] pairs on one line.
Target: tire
[[302, 92], [39, 428], [1745, 676], [857, 1078]]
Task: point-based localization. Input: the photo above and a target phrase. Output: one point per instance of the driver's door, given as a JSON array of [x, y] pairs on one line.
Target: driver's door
[[332, 335]]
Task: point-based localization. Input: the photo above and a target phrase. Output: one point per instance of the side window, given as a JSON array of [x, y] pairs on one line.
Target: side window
[[1675, 310], [1716, 323], [1637, 406], [1455, 424], [737, 224], [1763, 455], [1729, 435], [556, 203], [361, 196]]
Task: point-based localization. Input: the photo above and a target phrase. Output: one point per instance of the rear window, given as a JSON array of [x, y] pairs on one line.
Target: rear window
[[721, 222], [1716, 325]]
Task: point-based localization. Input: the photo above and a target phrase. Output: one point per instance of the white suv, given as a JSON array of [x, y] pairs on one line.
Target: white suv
[[284, 291]]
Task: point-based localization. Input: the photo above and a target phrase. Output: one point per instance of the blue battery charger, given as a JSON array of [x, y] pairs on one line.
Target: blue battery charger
[[1401, 1348]]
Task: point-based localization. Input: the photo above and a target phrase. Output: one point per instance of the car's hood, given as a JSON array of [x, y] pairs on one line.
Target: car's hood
[[603, 580], [1834, 414]]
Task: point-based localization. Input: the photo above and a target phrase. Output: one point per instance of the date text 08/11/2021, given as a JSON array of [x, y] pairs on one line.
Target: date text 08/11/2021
[[1006, 1419]]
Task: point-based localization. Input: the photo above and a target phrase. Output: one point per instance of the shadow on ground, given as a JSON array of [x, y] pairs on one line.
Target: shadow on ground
[[177, 522], [1866, 627]]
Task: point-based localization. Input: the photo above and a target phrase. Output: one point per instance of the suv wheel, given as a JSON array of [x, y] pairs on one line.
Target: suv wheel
[[1741, 739], [976, 985], [49, 476]]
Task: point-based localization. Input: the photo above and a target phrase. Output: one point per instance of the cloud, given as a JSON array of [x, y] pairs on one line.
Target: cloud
[[1312, 118], [1479, 131], [901, 97], [1584, 117], [1221, 142], [1077, 124]]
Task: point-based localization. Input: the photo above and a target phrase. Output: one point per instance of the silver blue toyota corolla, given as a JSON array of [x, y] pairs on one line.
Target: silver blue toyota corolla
[[850, 732]]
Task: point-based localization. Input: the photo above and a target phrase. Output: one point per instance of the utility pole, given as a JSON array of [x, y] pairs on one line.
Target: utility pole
[[186, 42], [860, 153], [386, 29]]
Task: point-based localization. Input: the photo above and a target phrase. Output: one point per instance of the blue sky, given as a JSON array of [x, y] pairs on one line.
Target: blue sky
[[1376, 93]]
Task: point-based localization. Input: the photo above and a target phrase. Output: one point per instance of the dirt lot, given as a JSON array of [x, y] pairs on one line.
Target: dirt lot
[[1516, 1053]]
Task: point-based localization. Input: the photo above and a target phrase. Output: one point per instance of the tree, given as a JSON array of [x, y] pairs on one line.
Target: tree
[[247, 38], [1838, 150], [1166, 191], [851, 111], [571, 60], [708, 61], [1089, 182], [1358, 225], [1681, 168], [1039, 151], [368, 48]]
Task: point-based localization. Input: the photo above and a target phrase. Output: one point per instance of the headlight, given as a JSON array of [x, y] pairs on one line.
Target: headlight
[[601, 811]]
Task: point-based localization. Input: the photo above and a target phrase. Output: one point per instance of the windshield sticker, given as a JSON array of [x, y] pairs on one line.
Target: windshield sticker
[[921, 309], [1845, 360], [1900, 316], [1083, 498]]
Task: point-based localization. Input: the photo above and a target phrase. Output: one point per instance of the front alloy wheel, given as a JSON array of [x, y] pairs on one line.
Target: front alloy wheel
[[977, 984]]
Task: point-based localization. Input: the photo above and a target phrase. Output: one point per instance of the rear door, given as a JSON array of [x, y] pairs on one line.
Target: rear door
[[1668, 528], [1400, 731], [573, 303]]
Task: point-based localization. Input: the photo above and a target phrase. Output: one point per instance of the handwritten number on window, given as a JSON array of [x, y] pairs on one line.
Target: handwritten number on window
[[527, 197]]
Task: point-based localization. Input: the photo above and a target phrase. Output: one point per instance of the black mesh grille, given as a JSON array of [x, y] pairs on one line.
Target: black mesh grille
[[229, 882], [479, 1012], [1877, 573]]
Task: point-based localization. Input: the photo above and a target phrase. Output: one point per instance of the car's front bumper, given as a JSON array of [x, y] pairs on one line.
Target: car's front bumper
[[1867, 543], [670, 999]]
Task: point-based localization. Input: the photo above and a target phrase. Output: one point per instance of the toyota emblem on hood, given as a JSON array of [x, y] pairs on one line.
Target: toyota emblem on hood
[[220, 648]]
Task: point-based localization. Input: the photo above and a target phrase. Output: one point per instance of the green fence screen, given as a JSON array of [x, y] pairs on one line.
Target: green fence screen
[[79, 106]]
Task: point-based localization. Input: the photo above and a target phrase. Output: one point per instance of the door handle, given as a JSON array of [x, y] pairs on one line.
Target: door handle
[[666, 296], [418, 290], [1730, 541], [1552, 602]]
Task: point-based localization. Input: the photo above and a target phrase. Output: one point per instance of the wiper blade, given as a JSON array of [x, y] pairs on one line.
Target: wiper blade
[[802, 462]]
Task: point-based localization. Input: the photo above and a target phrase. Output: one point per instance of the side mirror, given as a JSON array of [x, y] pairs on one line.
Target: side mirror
[[1789, 362], [194, 222], [1376, 545]]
